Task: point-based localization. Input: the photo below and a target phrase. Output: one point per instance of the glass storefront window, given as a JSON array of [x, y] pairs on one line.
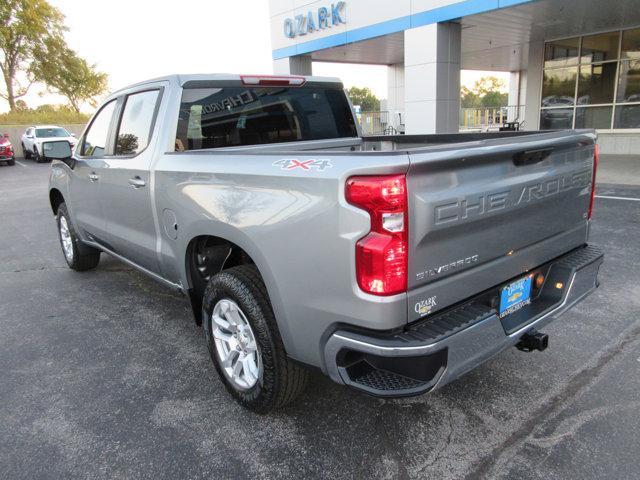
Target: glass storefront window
[[559, 87], [631, 44], [596, 83], [601, 90], [561, 53], [600, 48], [593, 117], [629, 81], [627, 116], [553, 118]]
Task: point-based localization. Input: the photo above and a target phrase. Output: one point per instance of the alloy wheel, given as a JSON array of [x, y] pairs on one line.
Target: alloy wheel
[[65, 238], [236, 346]]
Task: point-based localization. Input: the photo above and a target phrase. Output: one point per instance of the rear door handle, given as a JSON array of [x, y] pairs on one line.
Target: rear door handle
[[137, 182], [93, 177]]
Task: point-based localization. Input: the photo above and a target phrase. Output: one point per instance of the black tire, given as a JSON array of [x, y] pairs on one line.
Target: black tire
[[36, 155], [27, 153], [84, 257], [11, 162], [281, 380]]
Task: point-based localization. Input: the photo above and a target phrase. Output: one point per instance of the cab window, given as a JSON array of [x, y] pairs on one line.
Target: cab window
[[239, 116], [94, 143], [136, 123]]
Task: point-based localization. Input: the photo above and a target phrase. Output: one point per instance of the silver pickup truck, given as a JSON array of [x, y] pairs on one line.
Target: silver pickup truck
[[392, 264]]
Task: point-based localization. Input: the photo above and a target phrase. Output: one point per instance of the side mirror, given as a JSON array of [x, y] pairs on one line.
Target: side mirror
[[73, 135], [56, 150]]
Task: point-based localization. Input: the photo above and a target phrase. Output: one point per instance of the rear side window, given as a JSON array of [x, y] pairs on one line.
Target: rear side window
[[94, 143], [137, 118], [237, 116]]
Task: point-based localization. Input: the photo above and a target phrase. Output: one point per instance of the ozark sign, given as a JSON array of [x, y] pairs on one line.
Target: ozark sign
[[315, 20]]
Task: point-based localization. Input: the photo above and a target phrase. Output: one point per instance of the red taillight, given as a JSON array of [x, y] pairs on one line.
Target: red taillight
[[272, 81], [381, 256], [596, 157]]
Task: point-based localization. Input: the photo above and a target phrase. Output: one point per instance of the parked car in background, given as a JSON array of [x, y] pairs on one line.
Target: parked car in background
[[33, 137], [7, 154]]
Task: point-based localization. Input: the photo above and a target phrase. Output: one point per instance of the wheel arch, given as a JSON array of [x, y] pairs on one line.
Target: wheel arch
[[226, 254], [232, 253], [244, 251], [55, 198]]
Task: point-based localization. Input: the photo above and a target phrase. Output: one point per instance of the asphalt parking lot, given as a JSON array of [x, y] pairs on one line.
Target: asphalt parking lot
[[104, 374]]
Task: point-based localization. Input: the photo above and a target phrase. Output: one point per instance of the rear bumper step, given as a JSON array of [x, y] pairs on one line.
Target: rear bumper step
[[432, 352]]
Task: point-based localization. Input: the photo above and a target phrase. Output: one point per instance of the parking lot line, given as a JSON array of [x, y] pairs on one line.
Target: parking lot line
[[629, 199], [20, 163]]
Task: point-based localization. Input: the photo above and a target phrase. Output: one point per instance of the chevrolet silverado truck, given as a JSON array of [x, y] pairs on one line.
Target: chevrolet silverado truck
[[392, 264]]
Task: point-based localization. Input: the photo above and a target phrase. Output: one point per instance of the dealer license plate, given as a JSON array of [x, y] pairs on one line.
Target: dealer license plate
[[515, 296]]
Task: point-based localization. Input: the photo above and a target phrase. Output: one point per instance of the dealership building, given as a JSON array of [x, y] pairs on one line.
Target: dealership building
[[572, 63]]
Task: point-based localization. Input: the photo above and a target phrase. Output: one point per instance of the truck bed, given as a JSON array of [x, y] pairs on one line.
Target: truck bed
[[396, 143], [483, 207], [412, 142]]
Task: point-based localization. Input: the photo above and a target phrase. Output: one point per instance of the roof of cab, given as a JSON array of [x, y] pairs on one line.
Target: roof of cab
[[181, 79]]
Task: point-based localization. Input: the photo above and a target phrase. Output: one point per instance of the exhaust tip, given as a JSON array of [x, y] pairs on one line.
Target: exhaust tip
[[533, 340]]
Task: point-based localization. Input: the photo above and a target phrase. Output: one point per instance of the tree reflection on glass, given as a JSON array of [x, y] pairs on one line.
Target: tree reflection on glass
[[127, 144]]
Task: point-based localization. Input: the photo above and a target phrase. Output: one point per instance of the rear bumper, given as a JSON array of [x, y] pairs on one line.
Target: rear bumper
[[433, 352]]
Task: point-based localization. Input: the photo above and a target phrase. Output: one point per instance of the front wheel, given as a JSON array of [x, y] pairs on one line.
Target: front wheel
[[245, 344], [79, 256], [36, 155]]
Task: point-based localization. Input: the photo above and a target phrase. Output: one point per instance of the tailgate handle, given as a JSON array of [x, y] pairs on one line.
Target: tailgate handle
[[529, 157]]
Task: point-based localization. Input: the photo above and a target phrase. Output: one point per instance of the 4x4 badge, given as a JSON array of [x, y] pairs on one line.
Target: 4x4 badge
[[304, 165]]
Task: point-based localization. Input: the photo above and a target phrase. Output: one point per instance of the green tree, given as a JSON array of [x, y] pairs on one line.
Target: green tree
[[21, 106], [486, 92], [24, 27], [365, 98], [64, 72]]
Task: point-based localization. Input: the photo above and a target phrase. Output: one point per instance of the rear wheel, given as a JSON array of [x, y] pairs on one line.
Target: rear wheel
[[245, 344], [27, 153], [79, 256], [11, 162]]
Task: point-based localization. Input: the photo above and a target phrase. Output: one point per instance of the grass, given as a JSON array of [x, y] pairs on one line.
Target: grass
[[46, 114]]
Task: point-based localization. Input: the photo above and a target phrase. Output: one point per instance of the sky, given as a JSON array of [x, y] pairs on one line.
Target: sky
[[134, 40]]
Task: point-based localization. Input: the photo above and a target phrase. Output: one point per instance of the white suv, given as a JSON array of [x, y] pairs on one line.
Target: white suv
[[33, 137]]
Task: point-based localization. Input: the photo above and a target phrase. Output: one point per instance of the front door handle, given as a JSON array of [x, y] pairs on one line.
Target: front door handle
[[93, 177], [137, 182]]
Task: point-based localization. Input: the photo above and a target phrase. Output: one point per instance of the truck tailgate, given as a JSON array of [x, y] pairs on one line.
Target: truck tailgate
[[481, 213]]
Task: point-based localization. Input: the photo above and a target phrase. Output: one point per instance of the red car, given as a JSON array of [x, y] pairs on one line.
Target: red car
[[6, 150]]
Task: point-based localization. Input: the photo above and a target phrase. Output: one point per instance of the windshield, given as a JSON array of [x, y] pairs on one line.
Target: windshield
[[52, 132], [238, 116]]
